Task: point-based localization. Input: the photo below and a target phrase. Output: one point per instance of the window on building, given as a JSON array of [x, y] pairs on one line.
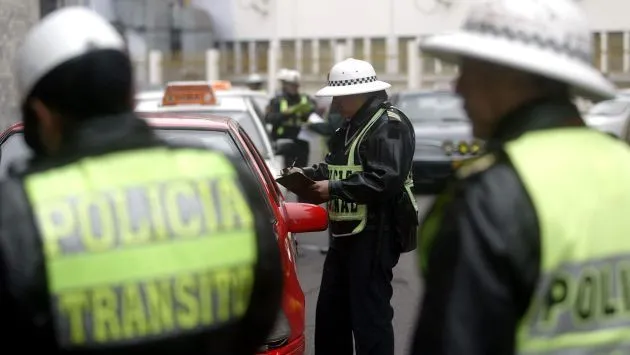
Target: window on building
[[428, 64], [378, 54], [307, 56], [403, 63], [359, 48], [326, 58], [262, 51], [244, 65], [230, 58], [287, 48], [615, 52], [597, 50]]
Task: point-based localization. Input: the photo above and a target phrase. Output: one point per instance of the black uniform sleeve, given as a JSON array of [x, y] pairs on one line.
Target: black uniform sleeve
[[317, 172], [266, 299], [273, 112], [387, 155], [482, 268]]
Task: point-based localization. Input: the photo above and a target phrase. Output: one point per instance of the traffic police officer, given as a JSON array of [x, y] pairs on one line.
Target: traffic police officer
[[288, 113], [112, 242], [366, 180], [528, 252]]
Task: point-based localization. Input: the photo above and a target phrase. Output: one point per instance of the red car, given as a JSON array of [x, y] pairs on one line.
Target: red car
[[287, 218]]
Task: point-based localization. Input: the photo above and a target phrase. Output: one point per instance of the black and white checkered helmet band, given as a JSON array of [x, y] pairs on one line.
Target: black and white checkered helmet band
[[350, 82]]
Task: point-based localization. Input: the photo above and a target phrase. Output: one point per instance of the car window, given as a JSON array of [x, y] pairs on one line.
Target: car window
[[271, 182], [219, 140], [14, 148], [431, 108], [245, 120], [609, 108]]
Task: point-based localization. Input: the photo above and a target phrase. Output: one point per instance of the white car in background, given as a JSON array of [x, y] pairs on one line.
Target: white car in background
[[610, 116], [237, 107]]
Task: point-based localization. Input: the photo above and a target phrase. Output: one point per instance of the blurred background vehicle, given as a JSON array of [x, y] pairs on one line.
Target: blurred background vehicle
[[610, 116], [443, 136]]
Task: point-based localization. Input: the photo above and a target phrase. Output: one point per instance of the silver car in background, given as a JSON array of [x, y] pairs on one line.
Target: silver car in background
[[610, 116], [443, 136]]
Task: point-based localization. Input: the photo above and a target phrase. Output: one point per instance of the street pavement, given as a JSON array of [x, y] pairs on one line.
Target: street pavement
[[406, 283]]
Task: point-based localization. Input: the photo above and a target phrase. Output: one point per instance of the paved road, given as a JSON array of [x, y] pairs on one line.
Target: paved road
[[407, 286]]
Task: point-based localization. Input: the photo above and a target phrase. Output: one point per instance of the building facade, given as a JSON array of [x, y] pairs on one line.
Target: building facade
[[16, 16], [308, 32]]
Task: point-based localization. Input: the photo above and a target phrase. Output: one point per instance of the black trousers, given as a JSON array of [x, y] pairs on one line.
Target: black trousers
[[298, 151], [354, 297]]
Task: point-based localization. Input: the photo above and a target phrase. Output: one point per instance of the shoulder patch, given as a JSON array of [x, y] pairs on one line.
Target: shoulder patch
[[393, 116], [476, 166]]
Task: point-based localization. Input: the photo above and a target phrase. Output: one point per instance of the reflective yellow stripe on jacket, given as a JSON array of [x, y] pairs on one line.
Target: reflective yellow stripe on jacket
[[142, 244], [579, 183], [344, 211]]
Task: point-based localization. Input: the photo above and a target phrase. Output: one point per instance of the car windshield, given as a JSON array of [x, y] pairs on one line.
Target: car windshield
[[244, 119], [431, 108], [609, 108], [14, 148]]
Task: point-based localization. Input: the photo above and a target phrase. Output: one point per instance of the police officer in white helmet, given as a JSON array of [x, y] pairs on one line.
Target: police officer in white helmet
[[95, 256], [366, 180], [288, 113], [522, 253]]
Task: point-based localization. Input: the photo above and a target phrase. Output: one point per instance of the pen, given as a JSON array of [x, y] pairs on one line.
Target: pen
[[293, 164]]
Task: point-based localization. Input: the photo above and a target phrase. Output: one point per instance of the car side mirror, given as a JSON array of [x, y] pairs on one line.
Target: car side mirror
[[305, 217]]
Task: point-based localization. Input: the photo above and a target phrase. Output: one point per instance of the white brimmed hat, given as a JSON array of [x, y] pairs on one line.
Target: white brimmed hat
[[550, 38], [352, 77], [61, 36]]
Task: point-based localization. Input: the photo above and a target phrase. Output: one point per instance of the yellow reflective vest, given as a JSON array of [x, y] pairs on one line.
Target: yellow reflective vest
[[153, 253], [349, 212], [579, 184]]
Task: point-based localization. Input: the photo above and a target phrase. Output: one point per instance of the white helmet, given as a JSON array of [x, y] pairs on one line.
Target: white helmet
[[290, 76], [61, 36], [351, 77], [255, 78], [550, 38]]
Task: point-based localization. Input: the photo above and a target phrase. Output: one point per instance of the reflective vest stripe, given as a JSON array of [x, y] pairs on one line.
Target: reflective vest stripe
[[296, 120], [339, 210], [145, 253], [577, 180]]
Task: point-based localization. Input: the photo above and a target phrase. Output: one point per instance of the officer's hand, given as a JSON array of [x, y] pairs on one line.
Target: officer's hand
[[320, 191], [287, 171]]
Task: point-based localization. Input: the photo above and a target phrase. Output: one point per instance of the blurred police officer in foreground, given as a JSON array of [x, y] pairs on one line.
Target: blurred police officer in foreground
[[288, 112], [528, 252], [366, 180], [111, 241]]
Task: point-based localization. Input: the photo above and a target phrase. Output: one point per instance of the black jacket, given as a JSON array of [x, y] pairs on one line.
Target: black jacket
[[277, 118], [386, 154], [485, 261], [26, 325]]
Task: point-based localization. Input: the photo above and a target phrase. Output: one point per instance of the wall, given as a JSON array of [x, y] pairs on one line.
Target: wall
[[16, 16], [255, 19]]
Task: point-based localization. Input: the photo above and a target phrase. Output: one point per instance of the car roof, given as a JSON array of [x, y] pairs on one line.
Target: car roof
[[224, 103], [162, 119]]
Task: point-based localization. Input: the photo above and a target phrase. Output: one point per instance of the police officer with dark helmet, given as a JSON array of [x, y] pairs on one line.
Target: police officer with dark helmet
[[288, 113], [366, 180], [111, 241], [528, 251]]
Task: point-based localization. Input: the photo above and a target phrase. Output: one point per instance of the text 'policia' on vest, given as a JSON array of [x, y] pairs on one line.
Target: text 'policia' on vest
[[179, 230]]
